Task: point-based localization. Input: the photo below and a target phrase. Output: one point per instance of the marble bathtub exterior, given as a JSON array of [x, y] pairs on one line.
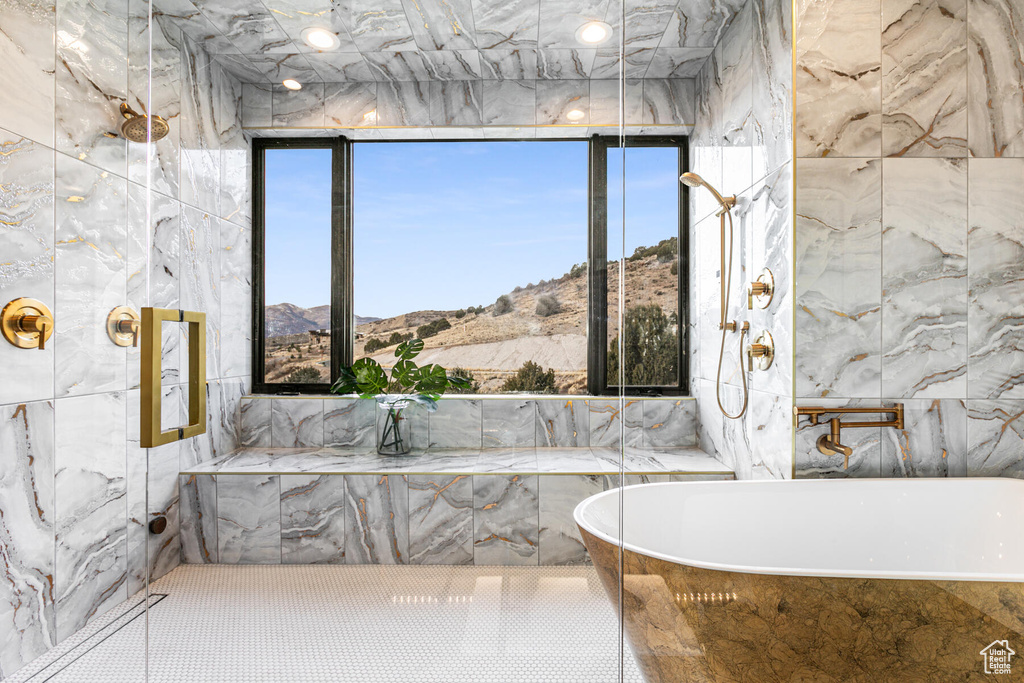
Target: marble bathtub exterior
[[75, 234]]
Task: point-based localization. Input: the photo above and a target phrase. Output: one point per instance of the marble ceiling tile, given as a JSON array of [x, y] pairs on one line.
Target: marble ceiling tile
[[441, 24], [405, 103], [294, 16], [453, 65], [506, 25], [668, 101], [456, 103], [514, 64], [27, 53], [678, 62], [604, 102], [645, 21], [299, 108], [565, 64], [408, 65], [382, 26], [183, 15], [698, 23], [241, 68], [607, 61], [279, 66], [509, 103], [560, 19], [555, 99], [350, 104], [924, 78], [248, 26], [335, 67]]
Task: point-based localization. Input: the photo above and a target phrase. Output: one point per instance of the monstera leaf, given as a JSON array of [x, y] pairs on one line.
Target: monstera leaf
[[408, 350], [405, 373], [346, 383], [433, 380], [370, 377]]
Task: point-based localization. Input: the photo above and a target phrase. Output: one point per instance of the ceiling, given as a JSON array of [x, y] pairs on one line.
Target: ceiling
[[446, 40]]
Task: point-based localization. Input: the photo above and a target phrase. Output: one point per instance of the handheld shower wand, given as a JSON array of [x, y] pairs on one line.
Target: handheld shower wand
[[726, 205]]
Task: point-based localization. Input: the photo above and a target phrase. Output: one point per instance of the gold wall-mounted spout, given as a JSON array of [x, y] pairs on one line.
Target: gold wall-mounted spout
[[829, 444], [26, 323], [124, 326]]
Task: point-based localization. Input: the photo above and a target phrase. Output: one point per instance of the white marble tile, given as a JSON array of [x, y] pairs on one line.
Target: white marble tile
[[256, 105], [90, 513], [510, 422], [771, 436], [299, 108], [699, 24], [198, 493], [92, 49], [559, 537], [734, 59], [995, 432], [608, 64], [199, 177], [933, 442], [509, 103], [838, 78], [200, 281], [865, 461], [312, 519], [669, 423], [336, 67], [350, 104], [559, 19], [91, 211], [677, 62], [441, 24], [231, 391], [506, 25], [441, 519], [995, 70], [376, 519], [668, 101], [293, 16], [604, 102], [612, 420], [456, 103], [27, 31], [772, 123], [403, 104], [27, 534], [995, 267], [564, 423], [297, 422], [251, 29], [349, 422], [924, 78], [255, 421], [236, 300], [249, 519], [456, 424], [509, 63], [235, 155], [27, 243], [924, 278], [505, 520], [564, 64], [838, 278], [555, 99], [383, 26]]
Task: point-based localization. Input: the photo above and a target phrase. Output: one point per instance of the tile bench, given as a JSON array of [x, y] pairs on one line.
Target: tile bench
[[453, 506]]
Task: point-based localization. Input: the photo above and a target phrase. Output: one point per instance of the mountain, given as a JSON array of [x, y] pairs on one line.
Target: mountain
[[285, 319]]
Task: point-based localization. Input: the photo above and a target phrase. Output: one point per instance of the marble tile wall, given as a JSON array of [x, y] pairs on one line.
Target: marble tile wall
[[310, 422], [742, 143], [487, 104], [444, 519], [74, 234], [909, 232]]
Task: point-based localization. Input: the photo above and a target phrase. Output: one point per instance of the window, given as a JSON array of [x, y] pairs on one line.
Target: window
[[495, 253]]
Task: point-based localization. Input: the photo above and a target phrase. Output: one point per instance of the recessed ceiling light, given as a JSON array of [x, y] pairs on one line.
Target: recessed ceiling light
[[575, 114], [593, 32], [291, 84], [320, 38]]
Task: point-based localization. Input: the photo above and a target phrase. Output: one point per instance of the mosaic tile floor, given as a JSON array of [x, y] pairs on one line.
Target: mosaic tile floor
[[307, 624]]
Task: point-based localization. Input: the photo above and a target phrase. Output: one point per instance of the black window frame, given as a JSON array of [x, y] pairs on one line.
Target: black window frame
[[342, 280]]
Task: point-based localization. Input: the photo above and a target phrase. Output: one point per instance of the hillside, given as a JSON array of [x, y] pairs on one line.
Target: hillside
[[491, 347], [285, 319]]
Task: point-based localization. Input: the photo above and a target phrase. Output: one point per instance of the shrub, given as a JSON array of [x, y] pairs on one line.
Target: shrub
[[432, 328], [503, 305], [398, 338], [460, 314], [675, 268], [548, 305], [578, 270], [665, 250], [373, 345], [650, 346], [306, 375], [532, 378], [473, 387]]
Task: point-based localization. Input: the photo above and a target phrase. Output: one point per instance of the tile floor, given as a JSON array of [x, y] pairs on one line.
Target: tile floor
[[307, 624]]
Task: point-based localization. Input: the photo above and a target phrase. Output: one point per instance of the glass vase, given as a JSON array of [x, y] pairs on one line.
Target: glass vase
[[393, 433]]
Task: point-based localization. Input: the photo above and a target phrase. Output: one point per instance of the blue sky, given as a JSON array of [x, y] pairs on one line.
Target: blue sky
[[450, 225]]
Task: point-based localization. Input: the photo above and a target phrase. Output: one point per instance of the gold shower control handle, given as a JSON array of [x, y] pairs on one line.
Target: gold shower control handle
[[26, 323], [762, 350], [124, 326], [762, 289]]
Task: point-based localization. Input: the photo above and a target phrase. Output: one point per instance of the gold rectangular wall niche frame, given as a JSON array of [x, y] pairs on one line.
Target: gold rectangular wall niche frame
[[151, 431]]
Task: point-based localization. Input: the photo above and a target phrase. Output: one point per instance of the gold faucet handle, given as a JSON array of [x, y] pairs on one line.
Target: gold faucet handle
[[37, 325], [130, 327], [124, 327]]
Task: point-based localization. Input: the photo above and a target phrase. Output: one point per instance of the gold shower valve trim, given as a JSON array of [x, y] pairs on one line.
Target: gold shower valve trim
[[124, 326], [761, 290], [761, 353], [26, 323]]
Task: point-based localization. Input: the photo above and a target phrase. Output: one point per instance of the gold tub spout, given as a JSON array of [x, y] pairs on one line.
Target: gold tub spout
[[830, 443]]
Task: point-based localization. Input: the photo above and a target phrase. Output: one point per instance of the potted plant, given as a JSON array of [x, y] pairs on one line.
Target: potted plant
[[407, 385]]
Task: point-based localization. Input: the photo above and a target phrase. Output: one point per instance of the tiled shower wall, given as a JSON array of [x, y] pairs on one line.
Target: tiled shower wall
[[742, 144], [73, 234], [910, 232]]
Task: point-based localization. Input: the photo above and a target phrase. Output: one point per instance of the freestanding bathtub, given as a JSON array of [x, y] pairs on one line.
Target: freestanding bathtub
[[816, 580]]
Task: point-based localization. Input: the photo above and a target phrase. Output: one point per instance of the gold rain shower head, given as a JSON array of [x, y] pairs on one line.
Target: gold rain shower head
[[134, 126], [694, 180]]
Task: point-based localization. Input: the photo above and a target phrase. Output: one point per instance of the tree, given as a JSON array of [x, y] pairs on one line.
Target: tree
[[650, 346], [531, 378], [373, 345], [398, 338], [306, 375], [465, 374], [548, 305], [432, 328], [503, 305]]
